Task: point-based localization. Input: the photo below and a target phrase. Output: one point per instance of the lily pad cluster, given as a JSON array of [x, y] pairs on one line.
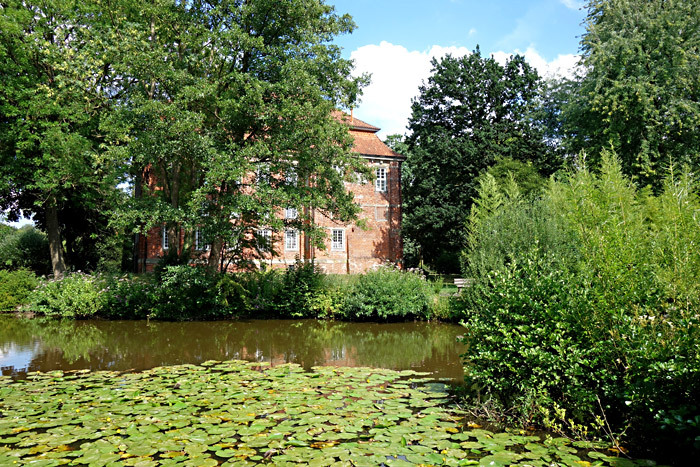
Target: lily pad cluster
[[242, 413]]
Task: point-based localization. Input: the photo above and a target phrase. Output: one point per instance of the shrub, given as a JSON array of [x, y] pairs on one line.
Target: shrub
[[185, 292], [233, 298], [301, 283], [388, 294], [295, 292], [129, 297], [530, 344], [77, 295], [25, 248], [262, 288], [585, 303], [15, 287]]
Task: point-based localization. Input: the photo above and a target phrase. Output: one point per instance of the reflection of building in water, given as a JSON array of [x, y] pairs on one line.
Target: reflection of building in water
[[334, 356], [338, 354]]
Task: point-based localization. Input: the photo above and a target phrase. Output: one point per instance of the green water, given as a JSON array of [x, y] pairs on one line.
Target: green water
[[46, 345]]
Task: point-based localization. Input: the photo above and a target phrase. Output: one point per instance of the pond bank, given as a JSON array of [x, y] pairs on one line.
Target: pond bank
[[246, 413]]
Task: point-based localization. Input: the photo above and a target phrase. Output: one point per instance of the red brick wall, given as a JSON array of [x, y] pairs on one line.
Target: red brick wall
[[378, 243]]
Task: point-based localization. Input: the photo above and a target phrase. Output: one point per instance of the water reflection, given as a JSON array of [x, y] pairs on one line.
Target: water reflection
[[44, 345]]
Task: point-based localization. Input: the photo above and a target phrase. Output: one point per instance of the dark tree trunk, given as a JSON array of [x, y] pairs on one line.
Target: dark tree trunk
[[215, 255], [58, 263]]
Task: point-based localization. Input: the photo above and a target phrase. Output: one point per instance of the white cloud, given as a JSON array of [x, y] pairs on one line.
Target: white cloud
[[398, 72], [564, 66], [573, 4], [396, 75]]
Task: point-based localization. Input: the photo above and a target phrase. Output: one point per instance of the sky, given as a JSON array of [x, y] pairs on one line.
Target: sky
[[396, 39]]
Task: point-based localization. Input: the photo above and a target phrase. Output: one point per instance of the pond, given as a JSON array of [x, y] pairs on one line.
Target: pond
[[154, 393], [44, 345]]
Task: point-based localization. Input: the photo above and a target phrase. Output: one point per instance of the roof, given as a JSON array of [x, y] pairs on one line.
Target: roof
[[366, 142]]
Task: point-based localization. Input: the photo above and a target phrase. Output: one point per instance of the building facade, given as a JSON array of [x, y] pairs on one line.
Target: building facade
[[349, 248]]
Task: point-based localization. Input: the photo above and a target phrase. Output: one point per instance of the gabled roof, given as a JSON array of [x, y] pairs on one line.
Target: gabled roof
[[367, 143]]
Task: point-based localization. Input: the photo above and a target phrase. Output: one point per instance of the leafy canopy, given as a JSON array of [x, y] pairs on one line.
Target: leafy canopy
[[469, 113], [640, 87]]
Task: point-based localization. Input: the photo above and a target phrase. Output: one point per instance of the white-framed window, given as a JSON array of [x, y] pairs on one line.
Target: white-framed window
[[263, 173], [166, 237], [199, 243], [380, 182], [291, 239], [291, 213], [291, 177], [266, 239], [337, 239]]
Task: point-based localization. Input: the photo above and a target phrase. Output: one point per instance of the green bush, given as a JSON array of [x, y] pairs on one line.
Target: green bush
[[185, 292], [388, 294], [129, 297], [585, 304], [293, 293], [25, 248], [77, 295], [530, 342], [300, 285], [15, 287]]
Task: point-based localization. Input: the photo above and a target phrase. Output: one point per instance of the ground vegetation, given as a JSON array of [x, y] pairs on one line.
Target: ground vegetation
[[583, 314]]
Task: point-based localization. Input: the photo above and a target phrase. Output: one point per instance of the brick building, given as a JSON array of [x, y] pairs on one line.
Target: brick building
[[349, 248]]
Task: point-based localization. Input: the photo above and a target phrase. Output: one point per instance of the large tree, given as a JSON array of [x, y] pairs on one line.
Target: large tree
[[229, 116], [640, 89], [471, 112], [55, 87], [215, 113]]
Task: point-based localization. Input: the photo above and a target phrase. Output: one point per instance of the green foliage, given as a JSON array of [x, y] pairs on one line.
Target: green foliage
[[94, 94], [300, 284], [295, 292], [454, 140], [504, 225], [185, 292], [388, 294], [584, 303], [58, 86], [210, 127], [182, 292], [525, 175], [639, 93], [128, 297], [15, 287], [25, 248], [76, 295]]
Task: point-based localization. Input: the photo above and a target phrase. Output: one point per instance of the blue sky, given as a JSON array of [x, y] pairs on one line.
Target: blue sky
[[395, 40]]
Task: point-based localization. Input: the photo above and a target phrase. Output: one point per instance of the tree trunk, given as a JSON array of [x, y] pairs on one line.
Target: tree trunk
[[58, 263], [215, 255]]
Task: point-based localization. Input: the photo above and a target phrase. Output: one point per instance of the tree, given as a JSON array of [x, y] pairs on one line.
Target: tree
[[54, 91], [471, 112], [24, 248], [181, 102], [640, 90], [229, 116]]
